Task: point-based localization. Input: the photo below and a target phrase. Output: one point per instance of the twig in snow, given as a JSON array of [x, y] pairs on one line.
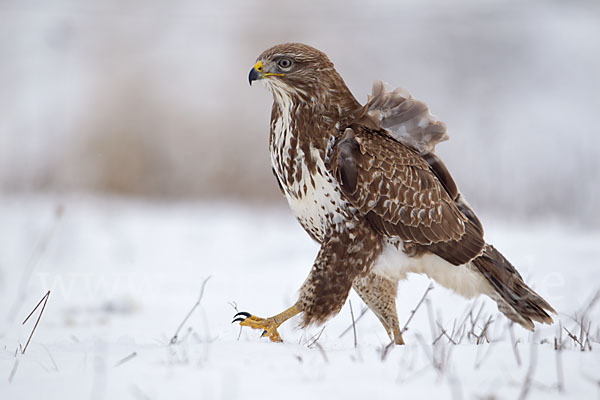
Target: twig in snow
[[235, 307], [412, 313], [51, 358], [432, 325], [591, 303], [13, 371], [125, 359], [443, 333], [388, 347], [479, 362], [560, 381], [483, 335], [471, 332], [189, 314], [574, 338], [439, 356], [559, 343], [362, 313], [313, 340], [585, 325], [453, 330], [35, 257], [353, 323], [530, 371], [322, 351], [514, 343], [43, 300], [462, 327], [587, 336], [386, 350]]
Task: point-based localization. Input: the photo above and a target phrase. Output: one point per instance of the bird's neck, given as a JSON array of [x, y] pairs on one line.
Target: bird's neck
[[333, 102], [326, 106]]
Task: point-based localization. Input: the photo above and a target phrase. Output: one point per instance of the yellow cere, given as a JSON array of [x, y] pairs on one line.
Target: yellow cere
[[259, 67]]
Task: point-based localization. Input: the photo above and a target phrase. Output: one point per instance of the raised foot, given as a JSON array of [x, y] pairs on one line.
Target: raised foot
[[268, 325]]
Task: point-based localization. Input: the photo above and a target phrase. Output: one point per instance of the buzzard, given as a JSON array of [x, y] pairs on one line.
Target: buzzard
[[365, 183]]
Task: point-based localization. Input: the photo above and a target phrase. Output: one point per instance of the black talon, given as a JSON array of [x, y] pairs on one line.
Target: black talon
[[263, 334], [238, 317]]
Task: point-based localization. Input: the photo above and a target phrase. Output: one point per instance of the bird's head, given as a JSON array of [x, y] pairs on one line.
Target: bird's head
[[298, 70]]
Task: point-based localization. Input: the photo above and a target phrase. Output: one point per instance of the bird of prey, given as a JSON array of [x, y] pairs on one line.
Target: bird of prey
[[365, 183]]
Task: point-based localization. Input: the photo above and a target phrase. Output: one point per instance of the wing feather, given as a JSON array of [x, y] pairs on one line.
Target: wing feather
[[401, 195], [405, 118]]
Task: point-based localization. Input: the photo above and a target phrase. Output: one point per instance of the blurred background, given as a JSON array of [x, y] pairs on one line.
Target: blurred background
[[134, 164], [150, 98]]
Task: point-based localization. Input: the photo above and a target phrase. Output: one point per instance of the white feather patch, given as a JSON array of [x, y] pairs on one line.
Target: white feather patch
[[394, 264]]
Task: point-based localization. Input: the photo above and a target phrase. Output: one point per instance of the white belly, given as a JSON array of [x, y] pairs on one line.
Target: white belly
[[320, 207], [394, 264]]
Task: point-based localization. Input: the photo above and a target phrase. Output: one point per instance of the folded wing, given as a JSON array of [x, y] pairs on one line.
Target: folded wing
[[397, 191]]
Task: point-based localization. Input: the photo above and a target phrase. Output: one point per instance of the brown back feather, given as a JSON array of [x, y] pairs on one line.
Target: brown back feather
[[400, 195]]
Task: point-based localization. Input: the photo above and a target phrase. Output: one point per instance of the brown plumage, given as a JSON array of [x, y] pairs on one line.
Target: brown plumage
[[400, 195], [364, 182]]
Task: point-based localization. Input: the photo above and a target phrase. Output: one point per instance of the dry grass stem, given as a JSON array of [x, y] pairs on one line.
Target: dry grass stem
[[35, 257], [313, 340], [235, 307], [189, 314], [13, 371], [432, 325], [353, 324], [560, 380], [439, 356], [514, 344], [443, 333], [386, 350], [51, 358], [45, 301], [362, 313], [527, 382], [574, 338], [483, 335], [479, 361], [126, 359], [413, 311], [322, 351]]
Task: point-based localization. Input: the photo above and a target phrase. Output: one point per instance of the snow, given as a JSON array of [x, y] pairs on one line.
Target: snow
[[124, 273]]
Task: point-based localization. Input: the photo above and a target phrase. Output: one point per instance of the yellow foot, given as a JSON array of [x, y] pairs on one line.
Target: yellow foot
[[268, 325]]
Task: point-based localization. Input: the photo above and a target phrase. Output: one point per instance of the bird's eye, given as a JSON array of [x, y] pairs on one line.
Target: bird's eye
[[284, 63]]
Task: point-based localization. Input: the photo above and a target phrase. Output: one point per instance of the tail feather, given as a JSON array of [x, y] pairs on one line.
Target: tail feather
[[515, 299]]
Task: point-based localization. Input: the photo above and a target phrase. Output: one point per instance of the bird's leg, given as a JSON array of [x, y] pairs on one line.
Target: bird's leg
[[268, 325], [346, 254], [379, 294]]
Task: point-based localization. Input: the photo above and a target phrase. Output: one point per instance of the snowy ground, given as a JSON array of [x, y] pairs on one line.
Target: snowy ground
[[123, 275]]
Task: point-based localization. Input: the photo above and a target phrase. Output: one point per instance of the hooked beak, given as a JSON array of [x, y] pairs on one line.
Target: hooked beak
[[254, 74], [257, 72]]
